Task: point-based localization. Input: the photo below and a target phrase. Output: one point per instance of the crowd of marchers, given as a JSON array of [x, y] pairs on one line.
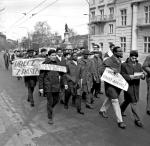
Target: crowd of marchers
[[83, 80]]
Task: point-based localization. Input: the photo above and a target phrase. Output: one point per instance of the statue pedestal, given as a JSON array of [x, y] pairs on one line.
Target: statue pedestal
[[67, 43]]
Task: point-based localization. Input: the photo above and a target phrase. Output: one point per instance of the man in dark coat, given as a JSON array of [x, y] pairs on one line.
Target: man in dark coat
[[128, 69], [6, 59], [86, 74], [73, 79], [30, 81], [97, 66], [112, 92], [49, 84], [61, 60], [146, 68]]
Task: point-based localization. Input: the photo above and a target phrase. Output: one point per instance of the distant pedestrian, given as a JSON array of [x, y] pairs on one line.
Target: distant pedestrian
[[128, 69], [6, 59]]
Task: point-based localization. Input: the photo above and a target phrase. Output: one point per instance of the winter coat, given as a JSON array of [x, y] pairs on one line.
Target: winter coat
[[127, 68], [72, 73], [49, 80], [86, 74], [6, 58], [146, 68], [97, 66], [111, 91]]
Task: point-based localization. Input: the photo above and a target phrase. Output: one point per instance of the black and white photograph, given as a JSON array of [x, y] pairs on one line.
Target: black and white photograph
[[75, 73]]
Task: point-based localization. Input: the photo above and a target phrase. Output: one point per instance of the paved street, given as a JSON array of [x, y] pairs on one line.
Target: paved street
[[21, 125]]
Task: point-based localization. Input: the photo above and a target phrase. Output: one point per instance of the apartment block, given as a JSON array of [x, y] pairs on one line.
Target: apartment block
[[125, 23]]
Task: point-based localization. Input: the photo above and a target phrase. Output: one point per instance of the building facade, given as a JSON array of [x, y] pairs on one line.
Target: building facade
[[123, 22]]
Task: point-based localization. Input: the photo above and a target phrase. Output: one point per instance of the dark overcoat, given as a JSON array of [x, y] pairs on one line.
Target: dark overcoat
[[49, 80], [111, 91], [127, 68]]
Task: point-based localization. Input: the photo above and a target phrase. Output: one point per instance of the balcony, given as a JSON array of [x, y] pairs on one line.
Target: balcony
[[102, 18], [142, 22]]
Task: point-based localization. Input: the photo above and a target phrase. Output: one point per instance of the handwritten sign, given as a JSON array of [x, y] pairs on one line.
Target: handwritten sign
[[26, 67], [114, 79], [53, 67]]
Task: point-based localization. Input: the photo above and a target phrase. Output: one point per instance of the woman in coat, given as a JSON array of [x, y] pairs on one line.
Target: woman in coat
[[128, 69]]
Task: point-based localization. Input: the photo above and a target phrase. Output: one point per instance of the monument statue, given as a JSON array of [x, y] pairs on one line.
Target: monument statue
[[66, 28]]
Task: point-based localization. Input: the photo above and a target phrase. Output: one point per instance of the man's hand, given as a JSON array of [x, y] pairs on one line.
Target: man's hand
[[66, 87], [41, 91], [132, 77], [143, 76]]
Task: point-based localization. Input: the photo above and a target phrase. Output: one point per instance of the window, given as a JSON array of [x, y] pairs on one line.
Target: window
[[123, 43], [123, 17], [111, 29], [92, 2], [93, 14], [147, 14], [93, 30], [101, 46], [111, 10], [101, 12], [147, 44]]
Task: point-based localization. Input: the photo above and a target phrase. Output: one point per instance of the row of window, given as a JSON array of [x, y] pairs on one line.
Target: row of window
[[123, 14], [101, 29], [123, 43]]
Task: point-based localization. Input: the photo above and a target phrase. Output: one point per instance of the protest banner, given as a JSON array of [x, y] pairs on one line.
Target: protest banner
[[26, 67], [114, 79], [53, 67]]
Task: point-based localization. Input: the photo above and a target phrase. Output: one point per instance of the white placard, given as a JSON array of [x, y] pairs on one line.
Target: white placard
[[114, 79], [53, 67], [26, 67]]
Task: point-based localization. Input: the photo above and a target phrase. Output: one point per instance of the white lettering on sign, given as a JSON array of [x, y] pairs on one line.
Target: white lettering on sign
[[114, 79]]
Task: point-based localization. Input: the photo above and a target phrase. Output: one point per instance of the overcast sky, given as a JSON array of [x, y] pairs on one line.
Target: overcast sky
[[15, 24]]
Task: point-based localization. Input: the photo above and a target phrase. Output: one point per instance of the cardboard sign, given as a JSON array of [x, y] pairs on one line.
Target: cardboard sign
[[26, 67], [53, 67], [114, 79]]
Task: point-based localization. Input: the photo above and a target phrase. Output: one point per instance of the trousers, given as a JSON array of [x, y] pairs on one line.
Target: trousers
[[52, 100]]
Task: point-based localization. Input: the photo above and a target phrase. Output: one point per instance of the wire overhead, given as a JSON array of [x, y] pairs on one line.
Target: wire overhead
[[39, 11], [25, 14]]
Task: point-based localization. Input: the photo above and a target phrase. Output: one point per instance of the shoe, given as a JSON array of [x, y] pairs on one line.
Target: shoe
[[100, 92], [61, 101], [65, 106], [32, 104], [92, 101], [148, 112], [103, 114], [28, 100], [80, 112], [89, 106], [122, 125], [50, 121], [138, 123]]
